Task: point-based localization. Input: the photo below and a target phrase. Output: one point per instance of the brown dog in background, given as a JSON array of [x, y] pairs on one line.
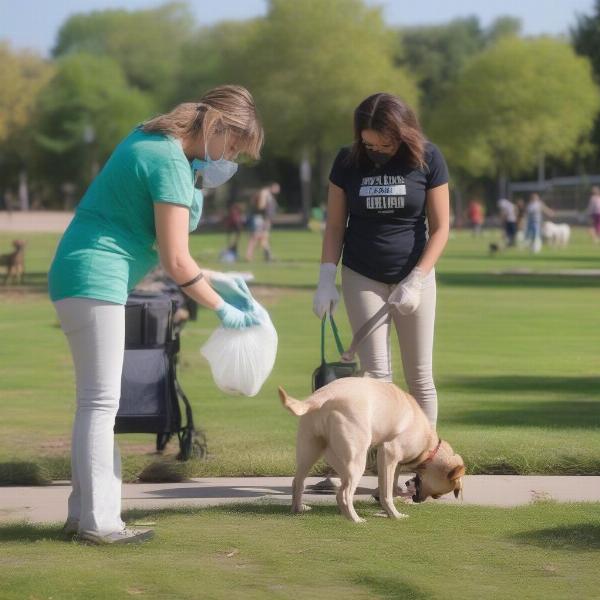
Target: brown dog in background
[[14, 262]]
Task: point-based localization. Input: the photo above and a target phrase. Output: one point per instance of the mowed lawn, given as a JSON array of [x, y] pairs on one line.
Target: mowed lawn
[[261, 551], [516, 364]]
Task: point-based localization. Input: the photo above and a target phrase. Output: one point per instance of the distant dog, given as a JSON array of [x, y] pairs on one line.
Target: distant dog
[[557, 234], [494, 249], [14, 262], [343, 419]]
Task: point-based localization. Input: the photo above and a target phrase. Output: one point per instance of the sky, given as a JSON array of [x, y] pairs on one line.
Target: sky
[[35, 23]]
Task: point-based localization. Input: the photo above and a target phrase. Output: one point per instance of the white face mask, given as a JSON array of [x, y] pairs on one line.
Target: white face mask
[[214, 172]]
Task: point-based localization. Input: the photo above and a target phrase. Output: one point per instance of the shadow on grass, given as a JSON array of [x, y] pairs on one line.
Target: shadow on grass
[[30, 532], [583, 536], [580, 386], [529, 280], [34, 281], [24, 473], [527, 260], [552, 415], [561, 414], [251, 509], [38, 281], [392, 588]]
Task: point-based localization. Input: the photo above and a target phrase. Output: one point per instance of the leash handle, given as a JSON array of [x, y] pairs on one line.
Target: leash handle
[[367, 329], [336, 335]]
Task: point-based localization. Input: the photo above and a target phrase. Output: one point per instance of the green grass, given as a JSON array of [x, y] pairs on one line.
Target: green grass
[[516, 365], [259, 551]]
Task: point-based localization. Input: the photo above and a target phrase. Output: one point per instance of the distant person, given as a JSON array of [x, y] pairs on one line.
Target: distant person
[[262, 210], [521, 209], [536, 209], [593, 210], [234, 225], [508, 218], [475, 215]]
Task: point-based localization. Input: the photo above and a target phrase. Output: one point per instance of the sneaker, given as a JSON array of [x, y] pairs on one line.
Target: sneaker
[[328, 485], [398, 493], [70, 528], [125, 536]]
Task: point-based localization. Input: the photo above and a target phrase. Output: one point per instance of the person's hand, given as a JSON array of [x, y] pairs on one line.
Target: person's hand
[[406, 296], [326, 297], [232, 289], [234, 318]]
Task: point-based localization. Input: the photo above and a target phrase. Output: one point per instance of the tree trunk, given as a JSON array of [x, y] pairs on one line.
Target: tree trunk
[[305, 186], [23, 190], [458, 209], [502, 184], [542, 168]]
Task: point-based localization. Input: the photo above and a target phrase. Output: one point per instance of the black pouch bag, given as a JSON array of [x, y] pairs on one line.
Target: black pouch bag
[[327, 372]]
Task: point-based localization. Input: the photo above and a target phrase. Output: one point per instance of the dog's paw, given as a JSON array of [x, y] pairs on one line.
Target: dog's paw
[[399, 515]]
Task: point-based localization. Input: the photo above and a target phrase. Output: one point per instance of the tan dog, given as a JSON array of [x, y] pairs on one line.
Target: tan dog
[[343, 419], [14, 262]]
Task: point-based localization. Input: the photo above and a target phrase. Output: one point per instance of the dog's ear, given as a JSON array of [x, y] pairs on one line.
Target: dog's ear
[[457, 472]]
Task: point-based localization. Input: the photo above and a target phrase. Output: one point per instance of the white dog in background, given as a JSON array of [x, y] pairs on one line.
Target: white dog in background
[[556, 234]]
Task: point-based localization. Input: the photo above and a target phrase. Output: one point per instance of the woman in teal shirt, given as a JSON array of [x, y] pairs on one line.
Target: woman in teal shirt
[[139, 210]]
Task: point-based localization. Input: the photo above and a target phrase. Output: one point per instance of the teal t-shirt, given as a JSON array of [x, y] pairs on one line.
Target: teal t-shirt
[[110, 244]]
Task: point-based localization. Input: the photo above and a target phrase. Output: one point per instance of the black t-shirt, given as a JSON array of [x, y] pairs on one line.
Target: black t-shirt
[[386, 231]]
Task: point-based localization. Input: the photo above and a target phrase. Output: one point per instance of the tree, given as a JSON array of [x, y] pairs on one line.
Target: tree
[[515, 102], [437, 53], [22, 76], [83, 113], [309, 69], [586, 41], [221, 52], [586, 37], [145, 43]]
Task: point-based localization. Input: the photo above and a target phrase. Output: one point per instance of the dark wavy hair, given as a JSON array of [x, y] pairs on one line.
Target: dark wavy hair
[[393, 118]]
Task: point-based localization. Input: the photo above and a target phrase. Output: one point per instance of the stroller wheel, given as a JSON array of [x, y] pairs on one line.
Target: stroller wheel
[[192, 445], [162, 439], [199, 446]]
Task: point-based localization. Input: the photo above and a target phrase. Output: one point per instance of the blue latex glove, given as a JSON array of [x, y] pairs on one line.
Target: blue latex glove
[[232, 289], [234, 318]]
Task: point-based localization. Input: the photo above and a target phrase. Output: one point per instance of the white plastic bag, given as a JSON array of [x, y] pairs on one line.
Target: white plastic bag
[[242, 359]]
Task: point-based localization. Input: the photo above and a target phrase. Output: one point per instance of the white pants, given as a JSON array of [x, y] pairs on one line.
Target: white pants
[[96, 333], [363, 297]]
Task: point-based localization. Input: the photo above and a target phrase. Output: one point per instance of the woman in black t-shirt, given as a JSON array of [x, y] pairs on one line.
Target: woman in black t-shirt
[[388, 210]]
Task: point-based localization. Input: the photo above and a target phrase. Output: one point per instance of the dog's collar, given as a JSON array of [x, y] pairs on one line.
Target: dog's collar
[[430, 455]]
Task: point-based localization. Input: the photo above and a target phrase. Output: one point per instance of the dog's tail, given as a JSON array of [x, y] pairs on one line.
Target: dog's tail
[[296, 407]]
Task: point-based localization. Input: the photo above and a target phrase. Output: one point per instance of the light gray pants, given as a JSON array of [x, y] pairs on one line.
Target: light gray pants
[[363, 297], [96, 334]]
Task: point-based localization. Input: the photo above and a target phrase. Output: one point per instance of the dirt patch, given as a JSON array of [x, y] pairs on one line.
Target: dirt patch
[[56, 447], [34, 220], [12, 294], [269, 296], [62, 446]]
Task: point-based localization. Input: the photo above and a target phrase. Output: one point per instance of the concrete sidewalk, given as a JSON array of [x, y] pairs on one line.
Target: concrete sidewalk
[[47, 221], [49, 504]]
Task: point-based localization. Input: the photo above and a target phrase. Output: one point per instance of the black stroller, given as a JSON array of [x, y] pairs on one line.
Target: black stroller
[[151, 396]]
